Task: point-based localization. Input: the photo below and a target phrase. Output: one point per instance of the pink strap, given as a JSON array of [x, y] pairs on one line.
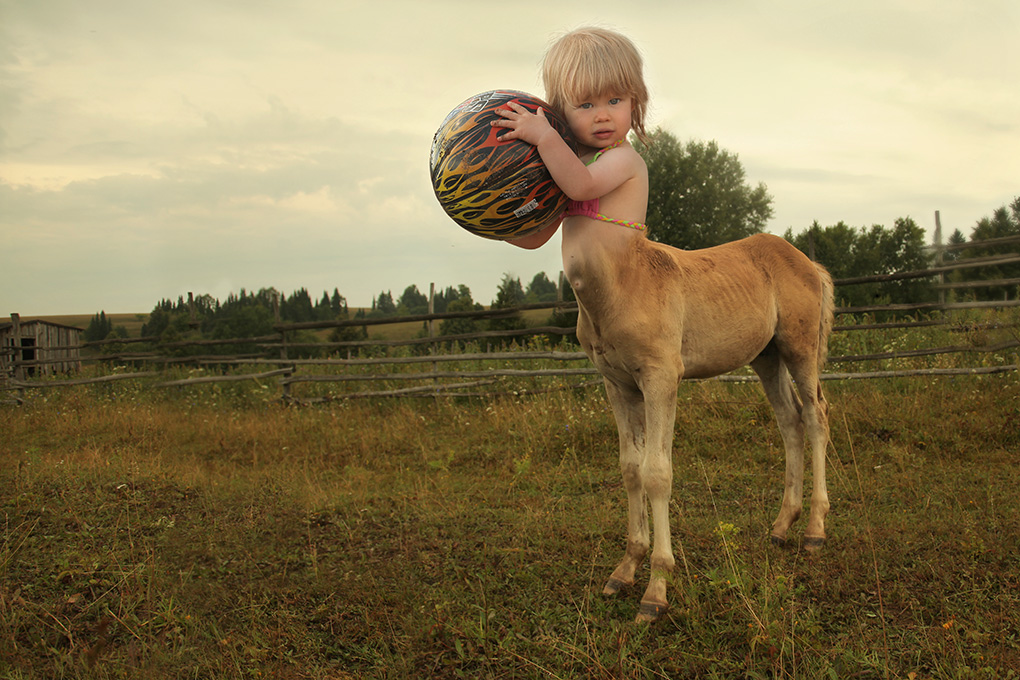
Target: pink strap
[[590, 208]]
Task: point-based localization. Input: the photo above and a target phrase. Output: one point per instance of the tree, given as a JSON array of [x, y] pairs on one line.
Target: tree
[[345, 333], [903, 249], [159, 319], [98, 329], [384, 305], [239, 321], [564, 319], [848, 252], [697, 195], [412, 301], [541, 289], [461, 326], [323, 308], [337, 305], [445, 297], [298, 307], [955, 239], [1003, 222], [510, 294]]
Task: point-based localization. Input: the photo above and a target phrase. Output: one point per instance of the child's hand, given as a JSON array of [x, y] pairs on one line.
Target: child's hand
[[524, 125]]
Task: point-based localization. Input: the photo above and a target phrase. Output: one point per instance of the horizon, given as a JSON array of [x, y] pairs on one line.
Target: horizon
[[151, 149]]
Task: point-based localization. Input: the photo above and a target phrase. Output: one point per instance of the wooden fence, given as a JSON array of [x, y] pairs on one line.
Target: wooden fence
[[462, 364]]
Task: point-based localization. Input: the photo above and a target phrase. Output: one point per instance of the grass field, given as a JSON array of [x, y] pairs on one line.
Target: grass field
[[195, 534], [133, 323]]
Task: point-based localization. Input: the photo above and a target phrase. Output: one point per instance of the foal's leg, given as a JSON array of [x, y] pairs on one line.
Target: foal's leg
[[629, 409], [775, 380], [645, 421], [816, 421], [659, 389]]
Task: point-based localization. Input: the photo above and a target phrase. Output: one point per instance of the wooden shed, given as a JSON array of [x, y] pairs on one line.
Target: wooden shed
[[44, 347]]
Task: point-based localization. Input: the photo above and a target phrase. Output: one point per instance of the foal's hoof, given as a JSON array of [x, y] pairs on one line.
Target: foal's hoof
[[650, 612], [813, 543], [615, 585], [778, 542]]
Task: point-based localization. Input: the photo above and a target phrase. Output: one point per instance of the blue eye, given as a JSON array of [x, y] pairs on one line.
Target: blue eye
[[614, 101]]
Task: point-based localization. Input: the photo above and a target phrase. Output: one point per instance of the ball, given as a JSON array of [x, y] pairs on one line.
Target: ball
[[497, 189]]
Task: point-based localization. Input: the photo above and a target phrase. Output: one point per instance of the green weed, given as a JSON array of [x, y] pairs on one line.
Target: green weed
[[211, 533]]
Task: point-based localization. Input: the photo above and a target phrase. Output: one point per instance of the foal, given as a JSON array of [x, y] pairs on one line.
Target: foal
[[651, 315]]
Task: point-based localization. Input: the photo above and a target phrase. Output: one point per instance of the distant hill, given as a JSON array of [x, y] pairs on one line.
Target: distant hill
[[131, 322]]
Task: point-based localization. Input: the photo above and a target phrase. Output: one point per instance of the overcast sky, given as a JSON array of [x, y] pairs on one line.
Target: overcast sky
[[148, 149]]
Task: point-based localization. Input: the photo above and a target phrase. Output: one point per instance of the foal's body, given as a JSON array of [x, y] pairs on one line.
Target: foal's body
[[651, 315]]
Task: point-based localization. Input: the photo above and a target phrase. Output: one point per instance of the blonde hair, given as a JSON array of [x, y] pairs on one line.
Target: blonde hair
[[591, 62]]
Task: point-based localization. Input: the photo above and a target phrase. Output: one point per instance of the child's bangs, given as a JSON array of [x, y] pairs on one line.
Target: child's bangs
[[589, 81]]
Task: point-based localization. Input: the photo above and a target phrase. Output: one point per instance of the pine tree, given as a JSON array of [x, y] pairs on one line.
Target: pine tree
[[98, 329], [509, 295]]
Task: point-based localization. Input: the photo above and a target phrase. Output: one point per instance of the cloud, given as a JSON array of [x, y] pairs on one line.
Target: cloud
[[179, 146]]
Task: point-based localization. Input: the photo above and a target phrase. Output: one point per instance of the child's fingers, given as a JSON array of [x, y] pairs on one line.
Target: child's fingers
[[500, 123], [510, 116], [512, 110]]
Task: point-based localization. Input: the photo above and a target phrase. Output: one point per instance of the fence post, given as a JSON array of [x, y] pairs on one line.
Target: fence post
[[432, 310], [938, 257], [430, 325], [17, 355], [276, 319], [285, 396]]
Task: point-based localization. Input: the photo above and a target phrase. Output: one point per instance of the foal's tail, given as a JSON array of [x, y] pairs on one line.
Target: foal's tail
[[828, 313]]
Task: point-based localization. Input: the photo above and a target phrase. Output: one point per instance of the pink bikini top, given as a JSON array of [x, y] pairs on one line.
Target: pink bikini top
[[590, 208]]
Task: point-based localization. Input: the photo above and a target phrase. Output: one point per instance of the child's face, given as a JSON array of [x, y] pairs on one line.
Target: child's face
[[600, 121]]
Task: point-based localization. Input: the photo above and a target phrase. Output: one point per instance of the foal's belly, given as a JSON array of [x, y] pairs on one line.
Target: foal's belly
[[705, 358], [626, 354]]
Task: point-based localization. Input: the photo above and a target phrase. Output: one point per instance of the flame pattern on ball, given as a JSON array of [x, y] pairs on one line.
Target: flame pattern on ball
[[499, 190]]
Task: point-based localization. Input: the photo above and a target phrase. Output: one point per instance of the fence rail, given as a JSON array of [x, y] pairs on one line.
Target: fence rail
[[471, 369]]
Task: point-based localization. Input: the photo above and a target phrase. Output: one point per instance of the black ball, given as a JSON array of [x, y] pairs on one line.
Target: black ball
[[496, 189]]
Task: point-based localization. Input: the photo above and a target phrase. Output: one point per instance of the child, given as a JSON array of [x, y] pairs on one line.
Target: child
[[594, 78]]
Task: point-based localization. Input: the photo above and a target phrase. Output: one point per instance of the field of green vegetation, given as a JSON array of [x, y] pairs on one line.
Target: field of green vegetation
[[209, 532]]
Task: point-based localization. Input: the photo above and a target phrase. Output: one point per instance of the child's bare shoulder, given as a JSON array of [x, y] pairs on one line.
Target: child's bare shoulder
[[626, 152], [628, 155]]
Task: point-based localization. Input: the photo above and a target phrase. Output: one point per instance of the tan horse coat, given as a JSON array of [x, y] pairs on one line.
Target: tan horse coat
[[651, 315]]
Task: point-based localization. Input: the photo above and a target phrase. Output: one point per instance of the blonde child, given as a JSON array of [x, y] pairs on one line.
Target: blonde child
[[594, 78]]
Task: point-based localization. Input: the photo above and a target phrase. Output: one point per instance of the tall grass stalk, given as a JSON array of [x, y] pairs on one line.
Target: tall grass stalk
[[211, 532], [871, 546]]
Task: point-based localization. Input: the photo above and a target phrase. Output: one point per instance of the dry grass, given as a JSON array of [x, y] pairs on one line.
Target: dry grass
[[201, 534]]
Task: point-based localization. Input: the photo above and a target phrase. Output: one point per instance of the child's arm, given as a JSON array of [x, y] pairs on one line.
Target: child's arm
[[539, 238], [578, 181]]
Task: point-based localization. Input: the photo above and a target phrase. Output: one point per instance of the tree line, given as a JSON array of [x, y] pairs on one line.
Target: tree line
[[254, 314], [698, 197]]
